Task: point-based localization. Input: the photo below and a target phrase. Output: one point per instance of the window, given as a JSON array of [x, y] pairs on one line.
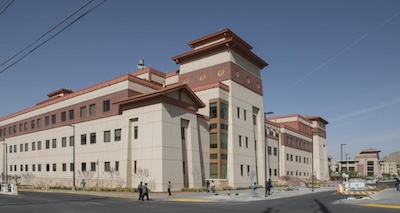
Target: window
[[10, 149], [63, 116], [92, 109], [38, 123], [39, 145], [26, 168], [269, 150], [287, 157], [240, 140], [106, 106], [224, 170], [224, 156], [248, 170], [54, 167], [25, 127], [224, 140], [64, 142], [224, 110], [107, 136], [47, 120], [92, 137], [213, 110], [275, 151], [39, 167], [33, 124], [83, 167], [64, 167], [71, 140], [213, 140], [26, 147], [213, 170], [21, 147], [291, 157], [107, 166], [47, 167], [247, 142], [33, 168], [135, 132], [134, 166], [21, 168], [244, 115], [53, 119], [71, 114], [213, 156], [93, 166], [238, 112], [117, 135], [116, 166], [82, 111], [83, 139], [54, 143], [15, 148], [71, 167], [241, 170]]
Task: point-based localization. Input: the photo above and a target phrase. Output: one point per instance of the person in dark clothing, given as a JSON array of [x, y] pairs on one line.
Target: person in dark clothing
[[208, 186], [145, 192], [169, 188], [140, 189], [269, 186]]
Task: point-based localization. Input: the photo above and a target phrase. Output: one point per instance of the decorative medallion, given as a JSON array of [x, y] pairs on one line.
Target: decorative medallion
[[202, 77], [237, 74], [221, 72], [186, 81], [248, 80], [258, 85]]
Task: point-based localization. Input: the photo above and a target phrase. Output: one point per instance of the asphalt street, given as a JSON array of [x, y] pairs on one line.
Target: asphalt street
[[325, 201]]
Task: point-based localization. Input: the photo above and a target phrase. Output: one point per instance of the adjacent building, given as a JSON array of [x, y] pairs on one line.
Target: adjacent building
[[204, 121]]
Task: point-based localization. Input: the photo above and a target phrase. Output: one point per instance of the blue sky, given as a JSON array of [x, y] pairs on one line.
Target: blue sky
[[336, 59]]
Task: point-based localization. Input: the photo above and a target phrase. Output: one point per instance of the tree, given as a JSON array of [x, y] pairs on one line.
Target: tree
[[87, 175], [28, 176], [141, 174], [114, 176]]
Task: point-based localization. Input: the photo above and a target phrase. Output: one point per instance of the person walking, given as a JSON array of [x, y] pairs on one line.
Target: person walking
[[169, 188], [212, 187], [398, 184], [140, 190], [254, 187], [83, 184], [269, 186], [145, 192], [208, 186]]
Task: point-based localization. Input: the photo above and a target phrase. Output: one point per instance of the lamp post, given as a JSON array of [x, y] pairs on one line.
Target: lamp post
[[5, 159], [341, 155], [347, 154], [312, 160], [265, 151], [73, 158]]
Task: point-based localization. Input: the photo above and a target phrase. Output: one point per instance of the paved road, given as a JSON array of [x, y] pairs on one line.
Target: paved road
[[324, 201]]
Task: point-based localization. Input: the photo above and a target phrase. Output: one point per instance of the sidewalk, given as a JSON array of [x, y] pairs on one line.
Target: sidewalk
[[388, 198], [219, 196]]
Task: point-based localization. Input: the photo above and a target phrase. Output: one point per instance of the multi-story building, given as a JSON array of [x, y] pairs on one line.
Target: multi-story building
[[204, 121], [388, 169]]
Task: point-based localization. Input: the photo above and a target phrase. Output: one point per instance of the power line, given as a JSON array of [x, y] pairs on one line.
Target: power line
[[4, 3], [81, 16]]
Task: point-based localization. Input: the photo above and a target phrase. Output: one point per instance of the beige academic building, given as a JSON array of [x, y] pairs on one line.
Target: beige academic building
[[205, 121]]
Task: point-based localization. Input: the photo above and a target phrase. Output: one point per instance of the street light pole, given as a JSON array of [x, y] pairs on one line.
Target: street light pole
[[265, 151], [312, 160], [73, 158], [341, 155]]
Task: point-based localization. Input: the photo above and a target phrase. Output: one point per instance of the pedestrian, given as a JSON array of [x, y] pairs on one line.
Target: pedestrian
[[398, 184], [83, 184], [306, 183], [145, 192], [169, 188], [212, 187], [269, 186], [140, 189], [254, 187], [208, 186]]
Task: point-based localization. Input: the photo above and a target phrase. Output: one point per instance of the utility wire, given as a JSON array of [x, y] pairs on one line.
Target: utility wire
[[4, 3], [65, 19], [51, 36]]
